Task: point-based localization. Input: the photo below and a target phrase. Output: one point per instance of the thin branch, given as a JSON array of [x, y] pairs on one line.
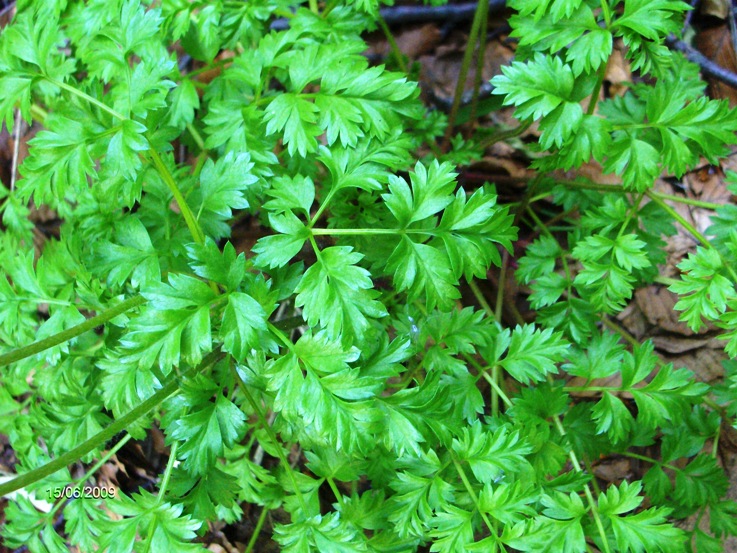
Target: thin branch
[[400, 15], [708, 67]]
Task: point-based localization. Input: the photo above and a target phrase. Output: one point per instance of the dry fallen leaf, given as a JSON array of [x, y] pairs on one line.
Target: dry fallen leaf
[[716, 44]]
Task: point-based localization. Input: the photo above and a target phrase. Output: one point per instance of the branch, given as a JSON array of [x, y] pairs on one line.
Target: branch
[[399, 15], [708, 67]]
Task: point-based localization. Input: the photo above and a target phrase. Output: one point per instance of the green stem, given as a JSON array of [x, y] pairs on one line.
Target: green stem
[[619, 330], [480, 298], [163, 171], [189, 218], [650, 460], [39, 113], [632, 212], [474, 497], [160, 494], [687, 201], [37, 299], [257, 530], [88, 98], [313, 7], [483, 6], [103, 436], [315, 248], [336, 491], [467, 55], [167, 473], [715, 445], [197, 137], [505, 135], [538, 222], [618, 188], [611, 389], [68, 334], [497, 389], [597, 88], [208, 67], [606, 11], [587, 490], [330, 7], [323, 206], [280, 335], [272, 436], [396, 52], [290, 323], [677, 216], [363, 231], [87, 475], [500, 288], [409, 376], [667, 281], [690, 228]]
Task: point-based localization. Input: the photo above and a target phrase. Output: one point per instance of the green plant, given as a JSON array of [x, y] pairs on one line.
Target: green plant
[[381, 386]]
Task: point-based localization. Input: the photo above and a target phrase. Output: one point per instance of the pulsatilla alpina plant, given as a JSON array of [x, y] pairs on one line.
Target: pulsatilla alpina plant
[[332, 373]]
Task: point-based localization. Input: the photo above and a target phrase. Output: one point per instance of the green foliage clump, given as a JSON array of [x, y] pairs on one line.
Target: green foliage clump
[[344, 332]]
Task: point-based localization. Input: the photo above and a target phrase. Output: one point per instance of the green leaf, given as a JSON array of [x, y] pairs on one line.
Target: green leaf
[[700, 482], [468, 230], [452, 530], [223, 186], [338, 295], [536, 88], [291, 194], [211, 497], [242, 319], [174, 325], [132, 256], [319, 533], [612, 417], [60, 161], [146, 89], [703, 289], [419, 491], [651, 19], [508, 503], [296, 117], [666, 396], [278, 250], [208, 427], [491, 455], [531, 353], [431, 192], [157, 522], [558, 9], [183, 102], [722, 519], [321, 395], [421, 268], [226, 268], [84, 522], [601, 358], [123, 151], [559, 530]]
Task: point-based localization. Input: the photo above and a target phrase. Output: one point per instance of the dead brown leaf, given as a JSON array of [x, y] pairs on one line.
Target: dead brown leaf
[[715, 8], [716, 44]]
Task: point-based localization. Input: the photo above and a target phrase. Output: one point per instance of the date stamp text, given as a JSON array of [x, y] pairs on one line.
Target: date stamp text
[[77, 492]]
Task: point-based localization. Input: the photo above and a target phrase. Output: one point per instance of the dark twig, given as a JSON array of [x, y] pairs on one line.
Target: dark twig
[[452, 12], [689, 14], [732, 26], [708, 67], [400, 15], [461, 12]]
